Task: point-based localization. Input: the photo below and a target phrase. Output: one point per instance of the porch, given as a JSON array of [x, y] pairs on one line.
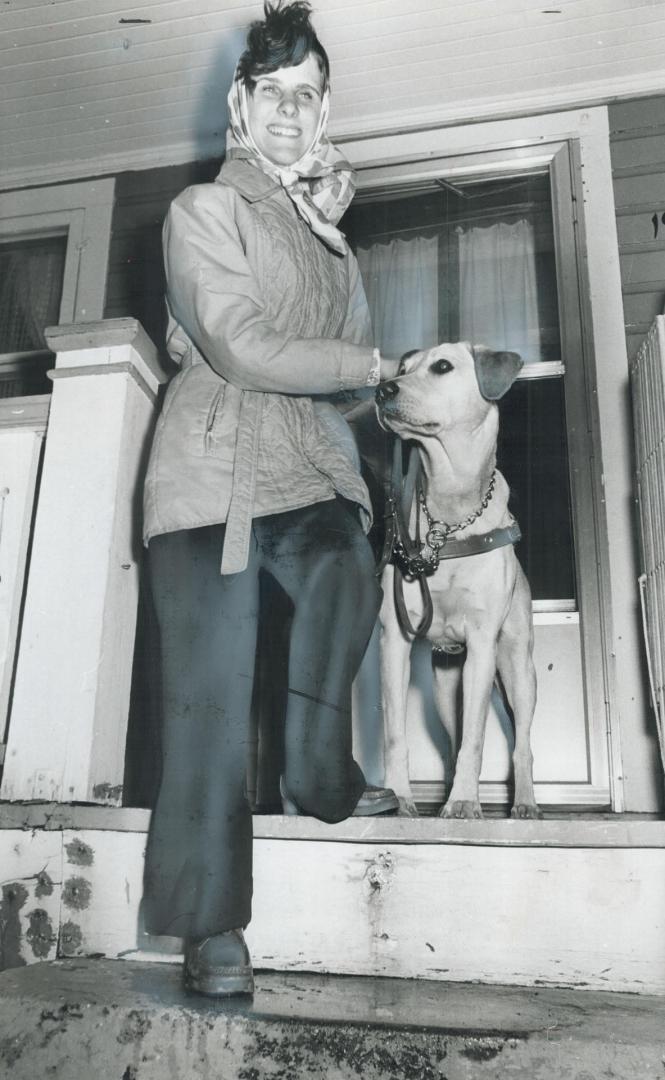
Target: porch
[[573, 901]]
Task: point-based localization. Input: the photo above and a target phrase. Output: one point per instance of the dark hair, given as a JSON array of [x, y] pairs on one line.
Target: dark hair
[[283, 38]]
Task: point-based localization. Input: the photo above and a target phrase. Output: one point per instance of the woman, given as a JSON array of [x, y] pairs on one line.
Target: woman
[[251, 465]]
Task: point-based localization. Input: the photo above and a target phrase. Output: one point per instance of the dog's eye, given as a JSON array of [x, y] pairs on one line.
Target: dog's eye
[[441, 367]]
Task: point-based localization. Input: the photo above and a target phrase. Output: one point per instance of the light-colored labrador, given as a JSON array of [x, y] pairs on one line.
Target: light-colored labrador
[[445, 400]]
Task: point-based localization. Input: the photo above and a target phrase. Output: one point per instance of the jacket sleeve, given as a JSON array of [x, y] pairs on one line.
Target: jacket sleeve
[[213, 294], [358, 324], [357, 328]]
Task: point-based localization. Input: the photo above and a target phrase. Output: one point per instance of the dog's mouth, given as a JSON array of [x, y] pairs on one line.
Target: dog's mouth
[[392, 418], [387, 414]]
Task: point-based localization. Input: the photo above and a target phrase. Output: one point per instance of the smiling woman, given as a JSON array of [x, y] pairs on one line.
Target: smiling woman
[[267, 313], [284, 111]]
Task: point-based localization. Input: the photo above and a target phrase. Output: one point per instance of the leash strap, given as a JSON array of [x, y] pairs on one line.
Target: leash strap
[[400, 493], [400, 605]]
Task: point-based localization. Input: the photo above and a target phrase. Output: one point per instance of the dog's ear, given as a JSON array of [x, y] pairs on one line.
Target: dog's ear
[[495, 371]]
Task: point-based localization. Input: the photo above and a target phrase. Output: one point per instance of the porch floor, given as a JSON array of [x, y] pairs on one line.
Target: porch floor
[[126, 1020]]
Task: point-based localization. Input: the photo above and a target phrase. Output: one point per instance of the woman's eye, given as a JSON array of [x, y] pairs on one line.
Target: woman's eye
[[307, 95], [441, 367], [269, 89]]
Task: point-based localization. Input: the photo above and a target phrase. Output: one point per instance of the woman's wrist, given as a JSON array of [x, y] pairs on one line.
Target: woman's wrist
[[388, 368], [383, 369]]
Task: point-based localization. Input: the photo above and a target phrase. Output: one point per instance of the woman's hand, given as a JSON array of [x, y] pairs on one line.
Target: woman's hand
[[388, 368]]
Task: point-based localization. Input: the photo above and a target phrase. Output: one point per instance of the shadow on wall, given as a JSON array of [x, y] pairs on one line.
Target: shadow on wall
[[212, 111]]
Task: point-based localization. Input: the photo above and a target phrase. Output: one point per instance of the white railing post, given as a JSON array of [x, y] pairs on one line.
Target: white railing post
[[68, 718]]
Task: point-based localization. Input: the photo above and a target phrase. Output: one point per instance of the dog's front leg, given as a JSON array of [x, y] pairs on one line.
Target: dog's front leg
[[518, 675], [395, 673], [477, 682], [447, 685]]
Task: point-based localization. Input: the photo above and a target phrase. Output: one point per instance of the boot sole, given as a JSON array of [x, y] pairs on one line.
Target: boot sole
[[380, 806], [220, 985]]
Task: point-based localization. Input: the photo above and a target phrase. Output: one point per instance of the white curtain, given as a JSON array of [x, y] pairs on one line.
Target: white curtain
[[497, 273], [30, 289], [402, 285]]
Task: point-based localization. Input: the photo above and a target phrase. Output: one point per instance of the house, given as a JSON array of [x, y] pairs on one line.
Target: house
[[470, 123]]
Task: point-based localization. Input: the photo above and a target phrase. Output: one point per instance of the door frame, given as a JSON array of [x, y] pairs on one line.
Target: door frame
[[591, 315]]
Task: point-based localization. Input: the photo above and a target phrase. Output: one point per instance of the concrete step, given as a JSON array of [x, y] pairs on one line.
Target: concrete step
[[124, 1020]]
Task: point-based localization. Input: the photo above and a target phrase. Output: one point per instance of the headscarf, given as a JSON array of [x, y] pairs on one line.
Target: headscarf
[[320, 184]]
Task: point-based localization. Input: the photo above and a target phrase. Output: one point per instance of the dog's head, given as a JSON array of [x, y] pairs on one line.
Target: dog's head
[[443, 387]]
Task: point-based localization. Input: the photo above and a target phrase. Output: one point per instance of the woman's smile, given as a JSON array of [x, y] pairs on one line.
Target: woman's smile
[[284, 108], [289, 133]]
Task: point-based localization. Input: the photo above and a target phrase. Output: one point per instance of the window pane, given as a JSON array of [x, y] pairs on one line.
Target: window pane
[[533, 456], [475, 260], [31, 277]]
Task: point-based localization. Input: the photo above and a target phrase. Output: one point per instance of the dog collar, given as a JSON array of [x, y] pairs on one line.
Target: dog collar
[[477, 545], [414, 563]]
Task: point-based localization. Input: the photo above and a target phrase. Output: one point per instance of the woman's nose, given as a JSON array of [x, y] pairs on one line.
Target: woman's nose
[[288, 105]]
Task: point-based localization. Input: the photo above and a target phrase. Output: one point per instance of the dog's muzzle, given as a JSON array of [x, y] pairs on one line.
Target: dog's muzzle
[[387, 391]]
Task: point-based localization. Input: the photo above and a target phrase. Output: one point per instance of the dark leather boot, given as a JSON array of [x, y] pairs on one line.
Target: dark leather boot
[[219, 965]]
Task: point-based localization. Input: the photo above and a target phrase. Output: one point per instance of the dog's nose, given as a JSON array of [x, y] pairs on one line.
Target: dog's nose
[[386, 391]]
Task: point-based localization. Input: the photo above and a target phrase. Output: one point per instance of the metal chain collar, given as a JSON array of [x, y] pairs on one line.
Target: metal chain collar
[[412, 564], [439, 531]]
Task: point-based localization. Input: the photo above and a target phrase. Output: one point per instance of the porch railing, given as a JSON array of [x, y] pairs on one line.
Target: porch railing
[[647, 373], [70, 675]]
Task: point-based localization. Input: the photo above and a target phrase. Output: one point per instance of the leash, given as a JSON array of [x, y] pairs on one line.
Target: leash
[[411, 564]]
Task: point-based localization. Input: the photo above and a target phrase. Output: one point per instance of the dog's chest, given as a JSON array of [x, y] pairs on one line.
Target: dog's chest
[[470, 597]]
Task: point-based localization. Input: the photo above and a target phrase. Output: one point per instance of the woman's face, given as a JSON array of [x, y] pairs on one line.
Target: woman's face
[[284, 110]]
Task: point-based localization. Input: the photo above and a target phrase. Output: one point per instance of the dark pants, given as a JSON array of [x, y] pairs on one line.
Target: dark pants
[[198, 878]]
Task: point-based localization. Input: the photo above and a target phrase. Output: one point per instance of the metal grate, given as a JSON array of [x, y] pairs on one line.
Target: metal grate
[[647, 373]]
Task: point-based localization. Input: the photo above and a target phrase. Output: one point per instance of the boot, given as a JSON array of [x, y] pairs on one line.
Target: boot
[[219, 965]]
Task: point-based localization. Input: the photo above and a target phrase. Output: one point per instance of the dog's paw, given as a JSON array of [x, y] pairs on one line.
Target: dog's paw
[[461, 808], [407, 807], [524, 811]]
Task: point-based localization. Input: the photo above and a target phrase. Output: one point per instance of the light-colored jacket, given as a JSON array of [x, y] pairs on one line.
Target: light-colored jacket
[[265, 322]]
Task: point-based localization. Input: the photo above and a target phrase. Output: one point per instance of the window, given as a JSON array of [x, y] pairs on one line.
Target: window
[[53, 260]]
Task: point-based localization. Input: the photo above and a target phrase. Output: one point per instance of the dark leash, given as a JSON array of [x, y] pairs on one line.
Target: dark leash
[[408, 554]]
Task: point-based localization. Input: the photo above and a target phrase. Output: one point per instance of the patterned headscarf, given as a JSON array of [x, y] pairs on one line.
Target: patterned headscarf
[[320, 184]]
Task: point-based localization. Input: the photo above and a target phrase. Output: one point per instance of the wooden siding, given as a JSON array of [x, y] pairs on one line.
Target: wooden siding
[[135, 284], [88, 88], [637, 140]]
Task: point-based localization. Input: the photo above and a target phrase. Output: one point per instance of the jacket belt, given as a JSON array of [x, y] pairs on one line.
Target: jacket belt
[[238, 530]]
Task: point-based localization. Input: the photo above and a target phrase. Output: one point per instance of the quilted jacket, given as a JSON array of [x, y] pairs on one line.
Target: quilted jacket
[[265, 324]]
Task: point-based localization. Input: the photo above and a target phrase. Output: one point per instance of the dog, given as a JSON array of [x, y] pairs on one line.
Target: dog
[[444, 401]]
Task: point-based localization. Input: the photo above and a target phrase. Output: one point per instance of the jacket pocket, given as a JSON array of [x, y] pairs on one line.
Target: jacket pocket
[[213, 422], [221, 423]]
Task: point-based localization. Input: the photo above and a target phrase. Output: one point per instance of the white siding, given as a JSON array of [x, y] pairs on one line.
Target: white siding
[[92, 85]]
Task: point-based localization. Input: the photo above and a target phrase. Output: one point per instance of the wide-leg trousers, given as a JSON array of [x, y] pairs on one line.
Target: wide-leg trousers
[[198, 876]]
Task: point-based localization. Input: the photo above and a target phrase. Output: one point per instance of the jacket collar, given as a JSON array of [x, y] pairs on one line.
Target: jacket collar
[[252, 183]]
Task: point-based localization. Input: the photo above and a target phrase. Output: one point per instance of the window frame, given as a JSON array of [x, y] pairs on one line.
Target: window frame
[[83, 213], [574, 149]]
